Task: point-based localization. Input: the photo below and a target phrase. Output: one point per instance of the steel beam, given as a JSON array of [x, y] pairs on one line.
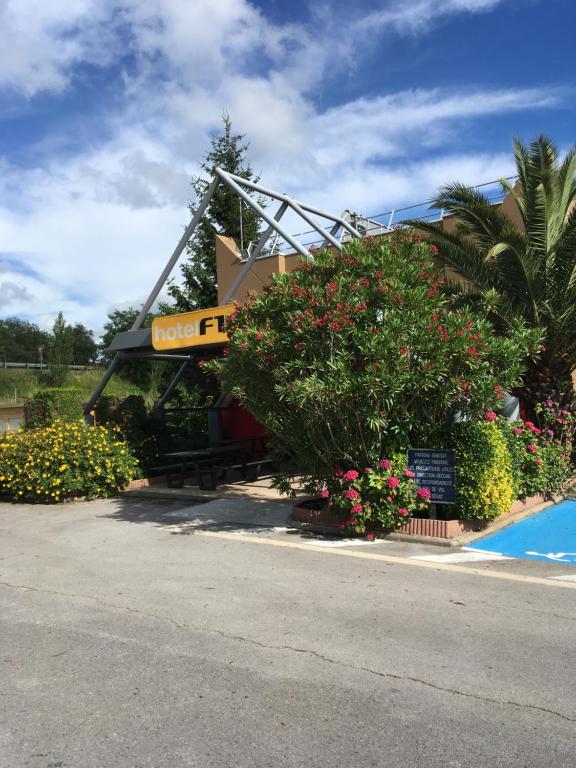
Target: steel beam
[[159, 404], [320, 229], [333, 232], [155, 356], [227, 179], [253, 256], [114, 363], [176, 254], [289, 200]]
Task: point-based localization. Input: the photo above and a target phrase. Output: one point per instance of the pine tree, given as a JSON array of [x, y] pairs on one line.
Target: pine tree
[[226, 215]]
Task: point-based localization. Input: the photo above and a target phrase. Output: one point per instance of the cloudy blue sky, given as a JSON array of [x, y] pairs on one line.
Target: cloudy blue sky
[[107, 106]]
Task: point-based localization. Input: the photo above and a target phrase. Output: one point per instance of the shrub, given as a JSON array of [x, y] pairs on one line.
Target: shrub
[[358, 355], [375, 499], [152, 434], [48, 405], [542, 455], [143, 430], [63, 461], [484, 471]]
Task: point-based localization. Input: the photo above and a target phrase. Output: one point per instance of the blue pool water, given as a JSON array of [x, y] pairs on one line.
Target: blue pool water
[[549, 535]]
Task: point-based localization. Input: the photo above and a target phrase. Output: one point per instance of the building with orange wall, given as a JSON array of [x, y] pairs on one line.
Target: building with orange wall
[[230, 260]]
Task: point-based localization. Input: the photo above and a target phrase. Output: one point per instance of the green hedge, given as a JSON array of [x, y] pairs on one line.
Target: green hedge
[[52, 404], [485, 487], [143, 430]]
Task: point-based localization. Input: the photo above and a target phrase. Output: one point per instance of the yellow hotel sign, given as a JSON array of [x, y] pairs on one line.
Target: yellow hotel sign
[[191, 329]]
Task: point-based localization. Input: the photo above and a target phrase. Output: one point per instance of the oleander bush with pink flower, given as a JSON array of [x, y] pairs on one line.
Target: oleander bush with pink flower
[[359, 355], [542, 450]]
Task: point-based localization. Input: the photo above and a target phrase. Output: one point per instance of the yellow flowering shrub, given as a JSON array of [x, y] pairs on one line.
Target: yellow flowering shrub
[[63, 461], [484, 471]]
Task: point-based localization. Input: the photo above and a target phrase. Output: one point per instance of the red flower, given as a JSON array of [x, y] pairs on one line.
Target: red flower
[[350, 493], [356, 509], [403, 511], [393, 482], [409, 473], [490, 416], [370, 536], [423, 493], [385, 464], [351, 475], [324, 493]]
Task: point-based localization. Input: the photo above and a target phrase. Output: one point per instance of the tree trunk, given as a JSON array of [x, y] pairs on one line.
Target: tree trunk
[[546, 380]]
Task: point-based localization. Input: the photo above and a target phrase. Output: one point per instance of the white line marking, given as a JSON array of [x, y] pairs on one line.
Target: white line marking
[[460, 557], [482, 551], [565, 577], [392, 559], [340, 542]]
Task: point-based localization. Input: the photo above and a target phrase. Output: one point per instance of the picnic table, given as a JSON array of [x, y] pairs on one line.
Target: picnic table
[[211, 464], [214, 456]]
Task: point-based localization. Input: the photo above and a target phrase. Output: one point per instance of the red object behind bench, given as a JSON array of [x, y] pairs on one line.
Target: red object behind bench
[[239, 424]]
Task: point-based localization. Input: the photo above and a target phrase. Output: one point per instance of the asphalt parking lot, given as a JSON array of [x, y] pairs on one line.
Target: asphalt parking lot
[[141, 632]]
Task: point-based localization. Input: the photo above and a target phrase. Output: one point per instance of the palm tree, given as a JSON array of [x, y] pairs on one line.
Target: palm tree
[[524, 271]]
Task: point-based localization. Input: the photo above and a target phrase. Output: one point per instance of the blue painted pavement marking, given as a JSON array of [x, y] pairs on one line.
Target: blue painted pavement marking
[[549, 535]]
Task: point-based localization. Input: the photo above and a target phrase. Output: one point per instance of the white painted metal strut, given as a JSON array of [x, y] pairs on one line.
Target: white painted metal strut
[[230, 180], [292, 202], [238, 185], [231, 292]]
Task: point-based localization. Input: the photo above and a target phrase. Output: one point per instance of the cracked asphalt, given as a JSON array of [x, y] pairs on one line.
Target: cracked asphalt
[[130, 637]]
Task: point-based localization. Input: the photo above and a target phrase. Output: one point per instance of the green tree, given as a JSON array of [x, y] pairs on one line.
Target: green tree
[[226, 215], [19, 341], [84, 348], [526, 272], [60, 351]]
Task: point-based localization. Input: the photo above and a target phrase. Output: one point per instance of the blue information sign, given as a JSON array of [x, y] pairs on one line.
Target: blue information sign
[[434, 470]]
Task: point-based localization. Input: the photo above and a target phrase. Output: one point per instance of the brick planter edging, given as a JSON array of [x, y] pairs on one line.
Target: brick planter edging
[[439, 529], [144, 482]]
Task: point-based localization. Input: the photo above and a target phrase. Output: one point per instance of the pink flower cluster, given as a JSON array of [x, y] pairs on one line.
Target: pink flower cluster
[[374, 499]]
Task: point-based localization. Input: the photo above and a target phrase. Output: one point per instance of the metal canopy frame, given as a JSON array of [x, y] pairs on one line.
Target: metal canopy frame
[[240, 187]]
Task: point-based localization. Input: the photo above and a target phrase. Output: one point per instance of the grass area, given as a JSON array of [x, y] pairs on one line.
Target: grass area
[[16, 384]]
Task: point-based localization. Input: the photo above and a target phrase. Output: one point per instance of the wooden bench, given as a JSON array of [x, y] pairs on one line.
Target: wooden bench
[[168, 470], [211, 474]]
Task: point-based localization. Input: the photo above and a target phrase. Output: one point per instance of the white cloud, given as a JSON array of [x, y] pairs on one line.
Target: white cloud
[[413, 16], [97, 227]]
